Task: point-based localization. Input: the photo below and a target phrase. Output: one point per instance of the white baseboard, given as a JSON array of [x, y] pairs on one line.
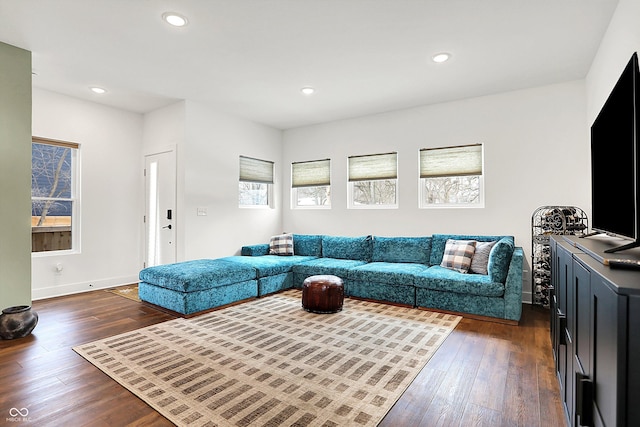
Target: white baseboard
[[75, 288]]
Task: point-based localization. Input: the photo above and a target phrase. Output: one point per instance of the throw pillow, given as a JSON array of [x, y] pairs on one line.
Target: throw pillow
[[481, 258], [281, 244], [458, 255]]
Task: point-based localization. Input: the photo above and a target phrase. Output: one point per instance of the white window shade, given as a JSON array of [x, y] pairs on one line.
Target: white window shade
[[255, 170], [451, 161], [311, 174], [373, 167]]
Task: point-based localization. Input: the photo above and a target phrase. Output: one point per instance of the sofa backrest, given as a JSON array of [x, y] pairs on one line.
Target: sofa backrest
[[307, 244], [356, 248], [401, 249]]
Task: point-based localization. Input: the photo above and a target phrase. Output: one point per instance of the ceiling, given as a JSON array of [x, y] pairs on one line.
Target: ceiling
[[250, 58]]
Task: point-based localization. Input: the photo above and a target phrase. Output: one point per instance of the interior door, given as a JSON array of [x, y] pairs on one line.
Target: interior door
[[160, 211]]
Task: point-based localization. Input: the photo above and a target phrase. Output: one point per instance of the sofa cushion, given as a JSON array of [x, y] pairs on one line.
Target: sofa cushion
[[500, 258], [269, 265], [190, 276], [354, 248], [401, 249], [445, 279], [281, 244], [481, 257], [334, 266], [438, 242], [387, 272], [458, 254], [307, 245]]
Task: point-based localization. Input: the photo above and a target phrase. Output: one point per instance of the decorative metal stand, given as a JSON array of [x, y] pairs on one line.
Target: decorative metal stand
[[547, 221]]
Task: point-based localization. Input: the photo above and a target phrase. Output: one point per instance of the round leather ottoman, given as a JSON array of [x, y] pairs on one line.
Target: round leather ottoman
[[322, 294]]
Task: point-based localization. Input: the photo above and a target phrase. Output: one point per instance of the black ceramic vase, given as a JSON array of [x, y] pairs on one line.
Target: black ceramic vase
[[17, 322]]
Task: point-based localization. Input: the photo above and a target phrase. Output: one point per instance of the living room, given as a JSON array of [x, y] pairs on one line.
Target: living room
[[536, 152]]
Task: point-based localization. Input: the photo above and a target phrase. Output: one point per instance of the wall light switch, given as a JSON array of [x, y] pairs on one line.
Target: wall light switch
[[202, 211]]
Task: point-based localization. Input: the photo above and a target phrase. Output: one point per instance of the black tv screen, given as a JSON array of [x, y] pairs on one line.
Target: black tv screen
[[615, 184]]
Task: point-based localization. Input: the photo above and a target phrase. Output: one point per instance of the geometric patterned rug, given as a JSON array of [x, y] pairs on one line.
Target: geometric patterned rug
[[268, 362]]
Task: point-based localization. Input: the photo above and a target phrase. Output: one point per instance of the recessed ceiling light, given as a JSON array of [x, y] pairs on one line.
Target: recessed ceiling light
[[308, 90], [441, 57], [174, 19], [97, 90]]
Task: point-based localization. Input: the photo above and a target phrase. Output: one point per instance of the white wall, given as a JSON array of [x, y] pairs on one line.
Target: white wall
[[210, 161], [535, 154], [111, 194], [621, 40]]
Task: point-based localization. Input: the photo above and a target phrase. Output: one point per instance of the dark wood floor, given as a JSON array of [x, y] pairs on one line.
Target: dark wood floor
[[485, 374]]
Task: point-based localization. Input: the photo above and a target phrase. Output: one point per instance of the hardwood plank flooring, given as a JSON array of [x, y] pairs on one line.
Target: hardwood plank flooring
[[485, 373]]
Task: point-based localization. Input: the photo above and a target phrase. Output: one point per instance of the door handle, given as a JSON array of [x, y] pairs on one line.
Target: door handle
[[167, 226], [584, 399]]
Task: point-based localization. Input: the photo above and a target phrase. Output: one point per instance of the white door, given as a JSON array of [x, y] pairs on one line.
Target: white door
[[160, 211]]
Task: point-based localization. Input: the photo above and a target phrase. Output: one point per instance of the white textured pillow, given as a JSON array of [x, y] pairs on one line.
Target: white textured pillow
[[281, 244], [481, 257], [458, 254]]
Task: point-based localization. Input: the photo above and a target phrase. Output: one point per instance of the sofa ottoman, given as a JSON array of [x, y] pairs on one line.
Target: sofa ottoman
[[192, 286], [323, 294]]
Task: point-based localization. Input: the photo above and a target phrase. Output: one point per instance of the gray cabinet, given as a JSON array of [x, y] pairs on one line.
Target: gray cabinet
[[595, 333]]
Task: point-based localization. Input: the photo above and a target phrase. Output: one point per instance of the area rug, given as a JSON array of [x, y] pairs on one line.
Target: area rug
[[268, 362], [128, 291]]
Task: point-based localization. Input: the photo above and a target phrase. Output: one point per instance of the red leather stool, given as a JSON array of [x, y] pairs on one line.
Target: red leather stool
[[322, 294]]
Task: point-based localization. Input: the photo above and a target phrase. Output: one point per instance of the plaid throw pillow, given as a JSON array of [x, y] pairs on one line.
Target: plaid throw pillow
[[281, 244], [458, 254]]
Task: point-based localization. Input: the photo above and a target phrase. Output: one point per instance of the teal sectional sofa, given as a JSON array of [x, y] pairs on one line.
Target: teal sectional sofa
[[403, 270]]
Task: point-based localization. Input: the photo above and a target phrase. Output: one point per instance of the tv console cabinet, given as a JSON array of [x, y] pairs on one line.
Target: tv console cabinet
[[595, 331]]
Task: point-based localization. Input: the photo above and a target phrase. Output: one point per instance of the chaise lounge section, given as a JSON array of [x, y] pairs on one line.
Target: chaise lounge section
[[479, 275], [192, 286]]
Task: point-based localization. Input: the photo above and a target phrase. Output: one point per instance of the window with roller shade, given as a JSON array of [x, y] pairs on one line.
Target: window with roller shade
[[311, 184], [452, 176], [373, 181], [255, 182]]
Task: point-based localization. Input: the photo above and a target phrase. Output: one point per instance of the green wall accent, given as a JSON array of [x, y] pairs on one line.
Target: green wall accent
[[15, 176]]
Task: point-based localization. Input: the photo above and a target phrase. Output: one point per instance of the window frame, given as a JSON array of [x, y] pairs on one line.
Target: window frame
[[74, 198], [318, 176], [257, 175], [422, 204], [359, 171]]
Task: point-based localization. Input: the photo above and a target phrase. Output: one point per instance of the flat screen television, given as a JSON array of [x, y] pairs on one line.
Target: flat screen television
[[615, 161]]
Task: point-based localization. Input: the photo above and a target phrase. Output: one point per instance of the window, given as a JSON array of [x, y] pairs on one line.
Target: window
[[451, 176], [54, 193], [311, 184], [256, 182], [373, 181]]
